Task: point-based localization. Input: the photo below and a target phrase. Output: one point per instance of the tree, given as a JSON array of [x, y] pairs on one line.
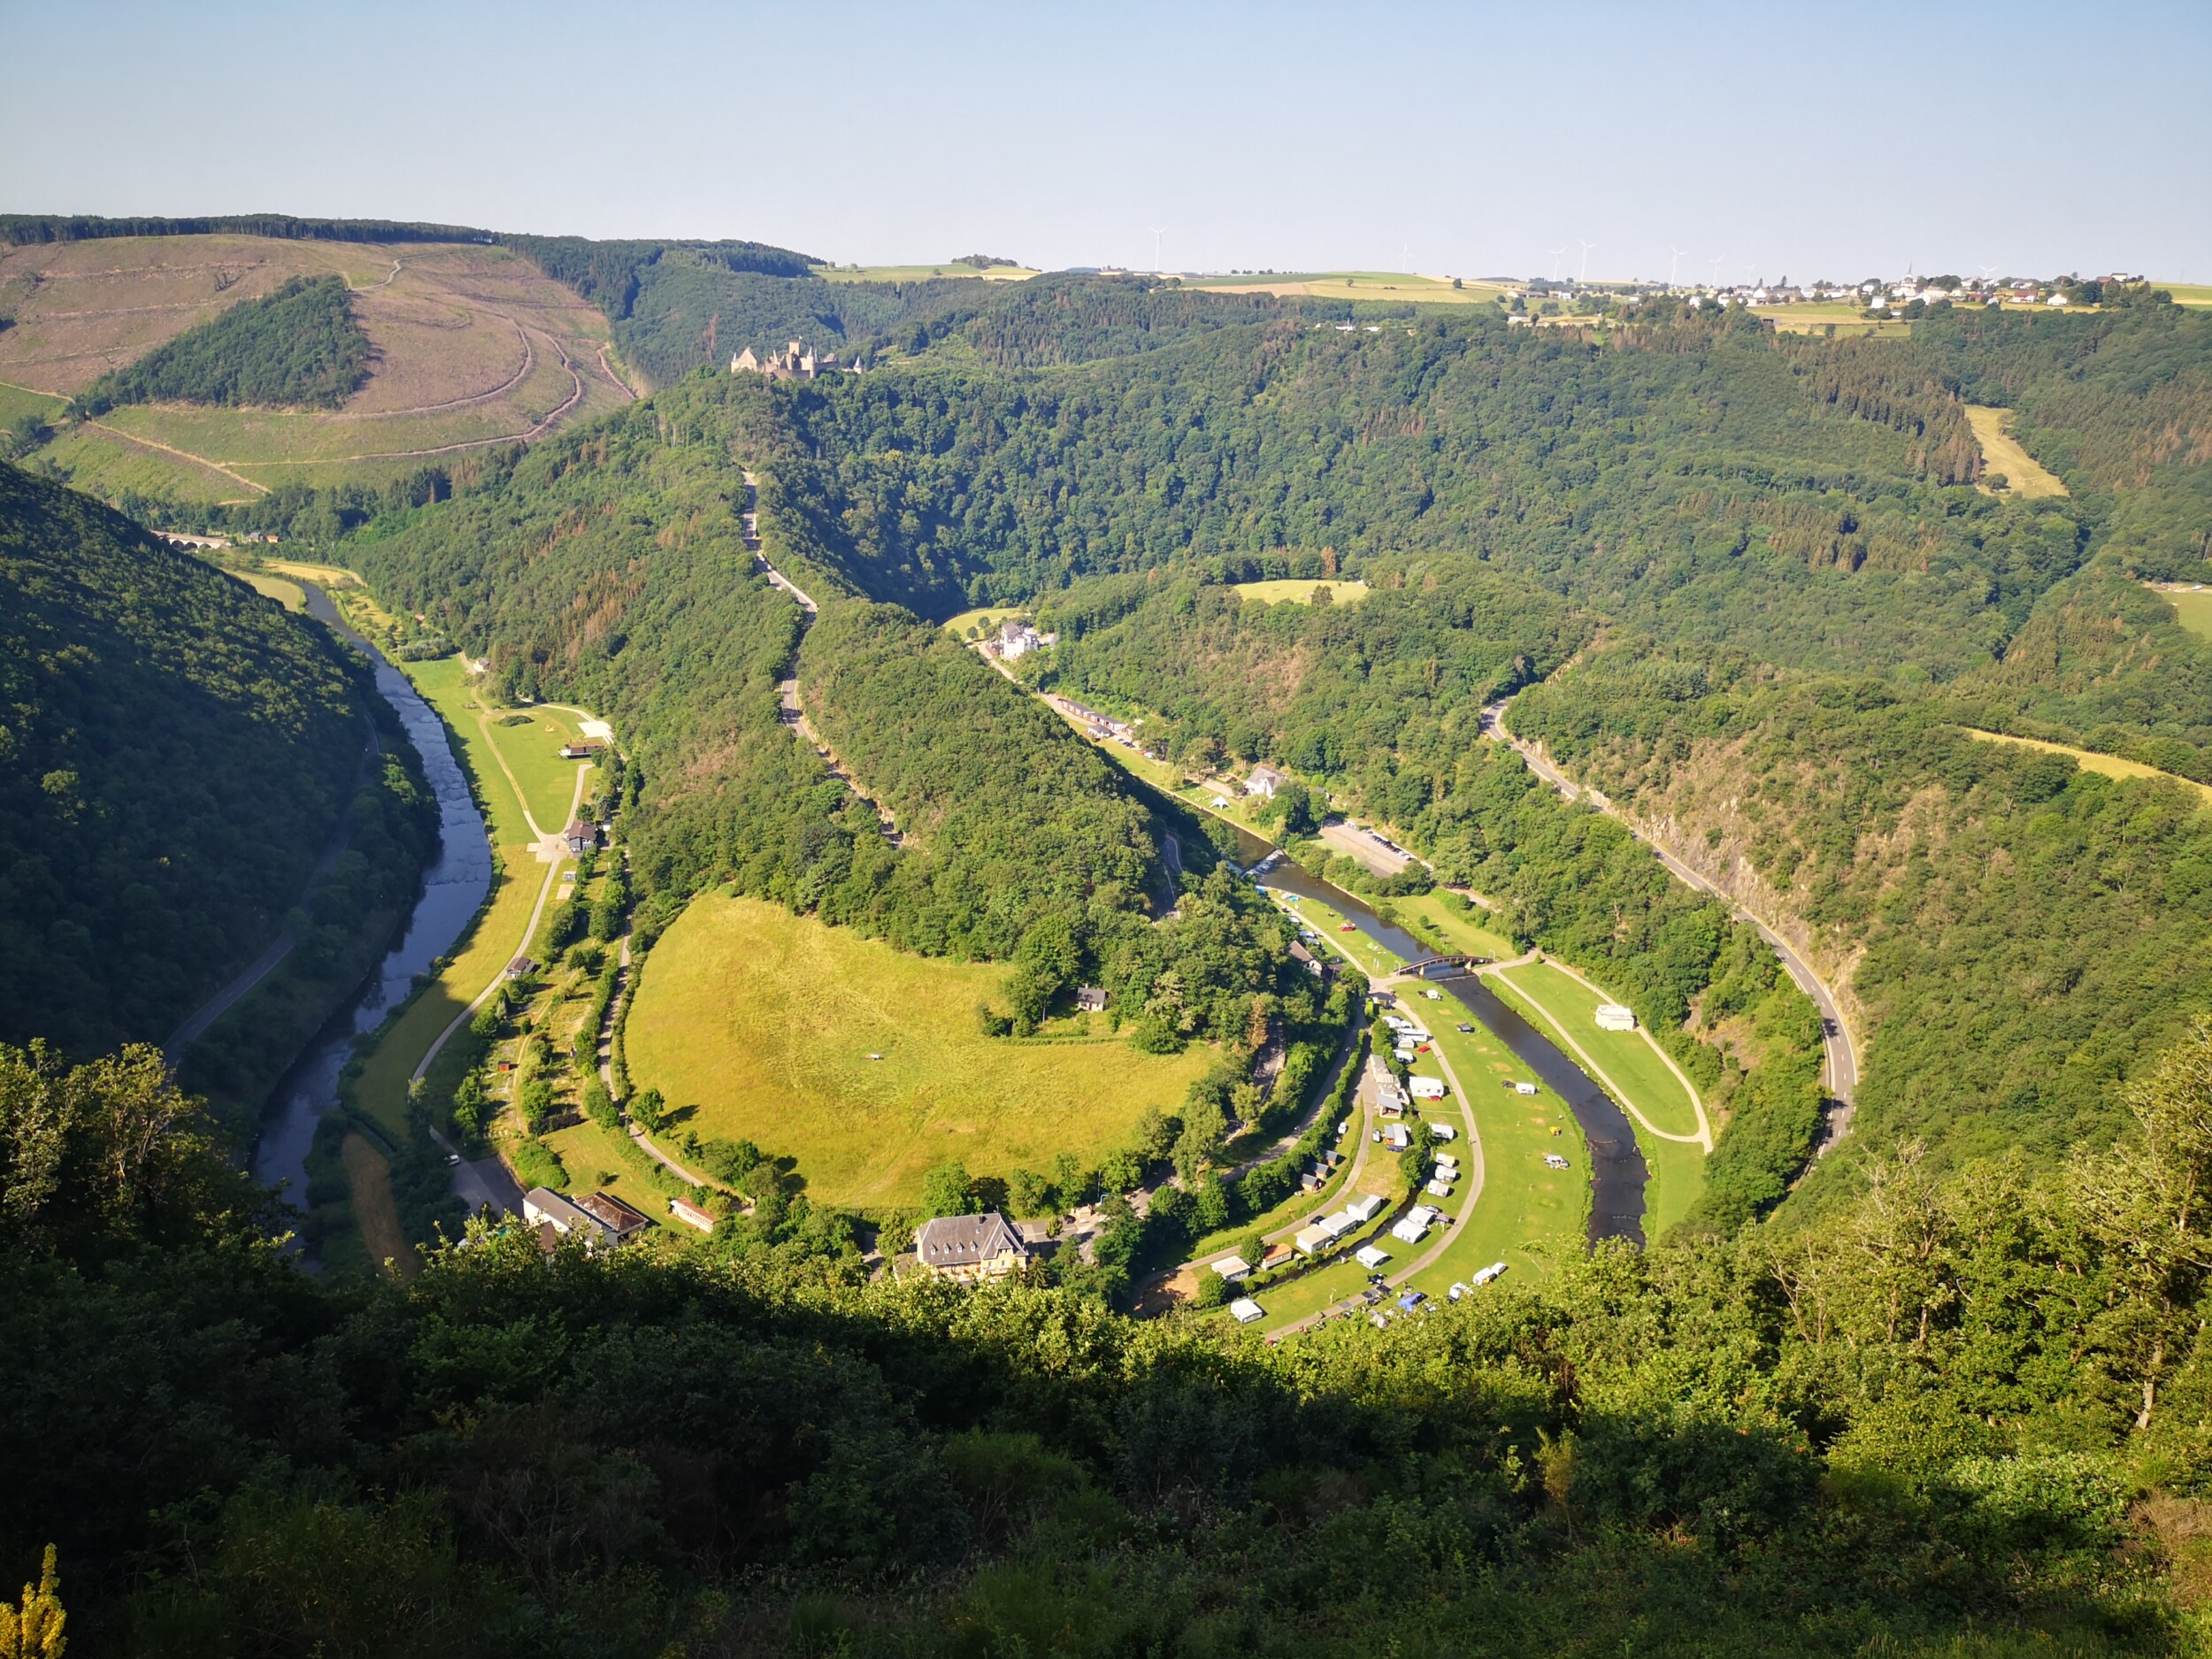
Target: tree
[[946, 1190], [35, 1630], [648, 1110], [2148, 1203]]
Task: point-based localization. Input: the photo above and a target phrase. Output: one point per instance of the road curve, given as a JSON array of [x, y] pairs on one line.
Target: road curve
[[1842, 1078]]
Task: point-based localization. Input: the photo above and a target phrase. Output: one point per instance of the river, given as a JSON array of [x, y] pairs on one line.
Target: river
[[1617, 1170], [454, 886]]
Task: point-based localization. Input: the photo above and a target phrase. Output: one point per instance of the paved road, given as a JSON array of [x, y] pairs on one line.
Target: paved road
[[1843, 1066]]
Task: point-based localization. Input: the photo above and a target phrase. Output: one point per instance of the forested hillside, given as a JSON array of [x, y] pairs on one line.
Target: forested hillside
[[300, 347], [1965, 1416], [174, 754], [611, 569], [1741, 499]]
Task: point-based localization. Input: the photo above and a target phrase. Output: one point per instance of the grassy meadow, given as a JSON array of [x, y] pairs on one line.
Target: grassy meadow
[[2025, 475], [2089, 760], [1545, 996], [762, 1023], [2193, 606], [1300, 593], [1354, 285], [987, 618], [1429, 918]]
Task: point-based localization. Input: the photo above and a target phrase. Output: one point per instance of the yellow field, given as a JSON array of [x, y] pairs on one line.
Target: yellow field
[[2187, 293], [2024, 475], [987, 619], [2193, 606], [2110, 765], [921, 272], [1354, 285], [286, 594], [764, 1022], [1301, 592]]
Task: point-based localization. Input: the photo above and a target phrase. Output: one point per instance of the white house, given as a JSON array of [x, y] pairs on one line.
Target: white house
[[1613, 1017], [1365, 1207], [1264, 780], [1244, 1311], [1426, 1087], [1371, 1258], [1233, 1268]]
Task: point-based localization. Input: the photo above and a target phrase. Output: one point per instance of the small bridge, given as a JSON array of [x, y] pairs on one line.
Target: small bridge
[[1444, 967]]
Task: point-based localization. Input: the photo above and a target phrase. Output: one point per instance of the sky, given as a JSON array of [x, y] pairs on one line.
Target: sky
[[1836, 142]]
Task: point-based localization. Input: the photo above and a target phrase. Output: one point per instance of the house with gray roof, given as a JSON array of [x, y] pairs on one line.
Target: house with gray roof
[[970, 1248]]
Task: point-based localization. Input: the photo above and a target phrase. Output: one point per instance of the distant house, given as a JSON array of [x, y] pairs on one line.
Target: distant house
[[1264, 780], [580, 837], [521, 968], [970, 1248], [1613, 1017], [1091, 999], [1305, 958], [621, 1221], [1233, 1268], [581, 751], [1017, 638]]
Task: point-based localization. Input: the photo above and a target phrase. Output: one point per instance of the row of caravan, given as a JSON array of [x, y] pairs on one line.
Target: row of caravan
[[1326, 1230]]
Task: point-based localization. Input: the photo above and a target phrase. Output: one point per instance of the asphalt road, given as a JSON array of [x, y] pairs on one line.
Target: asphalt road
[[1842, 1080]]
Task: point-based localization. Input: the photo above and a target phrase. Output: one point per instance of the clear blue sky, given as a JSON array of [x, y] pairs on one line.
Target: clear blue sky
[[1836, 140]]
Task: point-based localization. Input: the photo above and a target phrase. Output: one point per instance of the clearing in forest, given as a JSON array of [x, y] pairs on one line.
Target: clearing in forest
[[2025, 475], [1300, 592], [1354, 285], [2089, 760], [758, 1024], [2193, 606]]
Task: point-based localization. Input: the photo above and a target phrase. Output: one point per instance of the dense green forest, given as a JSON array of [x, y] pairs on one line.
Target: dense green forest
[[2024, 931], [611, 569], [1964, 1416], [174, 753], [301, 347]]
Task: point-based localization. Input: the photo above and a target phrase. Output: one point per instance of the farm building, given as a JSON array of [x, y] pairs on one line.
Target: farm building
[[970, 1248]]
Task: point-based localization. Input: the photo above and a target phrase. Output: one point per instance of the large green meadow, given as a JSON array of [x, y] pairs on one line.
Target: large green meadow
[[867, 1064]]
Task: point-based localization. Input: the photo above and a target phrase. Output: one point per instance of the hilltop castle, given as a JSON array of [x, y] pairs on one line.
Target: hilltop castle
[[793, 362]]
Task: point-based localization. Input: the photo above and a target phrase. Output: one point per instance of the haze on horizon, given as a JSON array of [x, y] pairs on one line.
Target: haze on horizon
[[1838, 142]]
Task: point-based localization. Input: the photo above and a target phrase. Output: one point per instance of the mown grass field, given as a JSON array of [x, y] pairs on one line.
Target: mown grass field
[[2194, 607], [763, 1021], [287, 593], [2110, 765], [987, 619], [1545, 996], [1428, 917], [595, 1164], [2187, 293], [921, 272], [1300, 593], [2025, 475]]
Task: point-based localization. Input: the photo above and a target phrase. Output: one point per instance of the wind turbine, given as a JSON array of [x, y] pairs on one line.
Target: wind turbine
[[1717, 261], [1584, 273], [1157, 231], [1557, 254], [1677, 266]]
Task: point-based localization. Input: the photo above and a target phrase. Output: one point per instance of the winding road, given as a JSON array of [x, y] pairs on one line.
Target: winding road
[[1842, 1069]]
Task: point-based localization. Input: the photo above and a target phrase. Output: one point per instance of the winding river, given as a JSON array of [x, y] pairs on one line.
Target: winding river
[[1617, 1170], [454, 885]]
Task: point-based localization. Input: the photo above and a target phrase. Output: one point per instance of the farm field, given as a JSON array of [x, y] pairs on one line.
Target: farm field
[[1300, 593], [2188, 293], [2024, 476], [2193, 606], [921, 272], [761, 1022], [1354, 285], [473, 344], [1542, 994], [2089, 760]]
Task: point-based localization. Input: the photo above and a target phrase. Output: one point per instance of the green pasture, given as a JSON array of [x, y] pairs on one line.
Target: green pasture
[[1528, 1213], [1677, 1167], [758, 1024], [2194, 607], [18, 401], [1300, 593], [103, 464], [290, 594], [920, 272], [987, 618], [2188, 293], [2025, 475]]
